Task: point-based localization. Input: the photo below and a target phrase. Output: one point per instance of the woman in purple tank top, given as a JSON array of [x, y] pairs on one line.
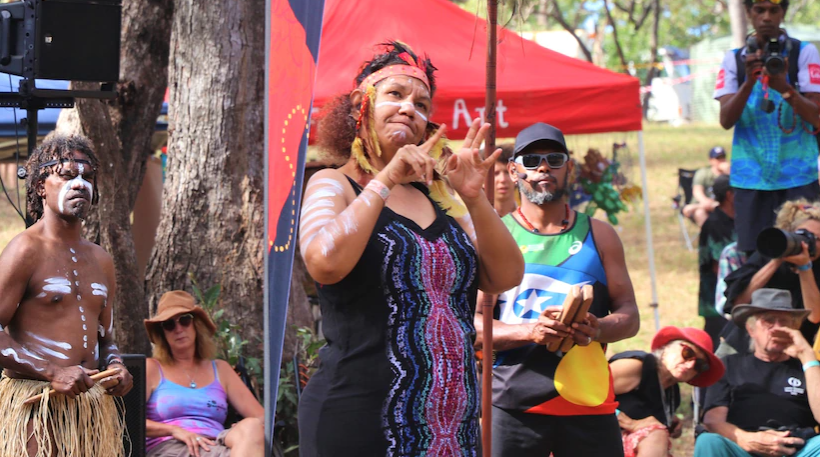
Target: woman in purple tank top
[[188, 391]]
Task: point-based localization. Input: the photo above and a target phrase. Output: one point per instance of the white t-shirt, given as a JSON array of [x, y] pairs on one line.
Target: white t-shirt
[[808, 74]]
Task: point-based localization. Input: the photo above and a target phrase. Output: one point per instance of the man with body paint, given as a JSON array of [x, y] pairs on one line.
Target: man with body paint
[[56, 309], [546, 401]]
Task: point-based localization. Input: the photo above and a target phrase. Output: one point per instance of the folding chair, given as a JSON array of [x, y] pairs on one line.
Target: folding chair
[[683, 198]]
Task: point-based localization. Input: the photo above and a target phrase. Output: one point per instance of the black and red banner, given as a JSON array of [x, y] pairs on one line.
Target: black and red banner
[[294, 33]]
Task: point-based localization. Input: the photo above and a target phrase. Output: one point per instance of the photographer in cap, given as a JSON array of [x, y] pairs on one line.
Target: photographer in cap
[[798, 273], [769, 92], [768, 402], [539, 405], [703, 196]]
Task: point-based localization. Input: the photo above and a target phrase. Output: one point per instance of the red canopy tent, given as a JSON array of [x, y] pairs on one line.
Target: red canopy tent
[[534, 83]]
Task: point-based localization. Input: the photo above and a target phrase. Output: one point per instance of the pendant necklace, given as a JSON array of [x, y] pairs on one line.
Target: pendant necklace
[[530, 227], [192, 385]]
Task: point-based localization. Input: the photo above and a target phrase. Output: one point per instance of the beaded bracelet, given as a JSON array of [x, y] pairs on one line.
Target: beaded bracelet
[[812, 363], [805, 267], [379, 188]]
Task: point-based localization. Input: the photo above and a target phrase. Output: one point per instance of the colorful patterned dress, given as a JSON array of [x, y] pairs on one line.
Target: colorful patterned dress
[[397, 376]]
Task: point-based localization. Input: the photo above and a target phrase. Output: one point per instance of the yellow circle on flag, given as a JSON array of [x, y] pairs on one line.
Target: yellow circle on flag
[[582, 376]]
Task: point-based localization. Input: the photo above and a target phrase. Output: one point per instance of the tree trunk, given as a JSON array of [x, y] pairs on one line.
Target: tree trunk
[[212, 223], [121, 132], [737, 19], [653, 51]]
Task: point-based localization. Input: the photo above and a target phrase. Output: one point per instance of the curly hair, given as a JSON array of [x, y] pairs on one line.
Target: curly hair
[[796, 212], [336, 128], [61, 148]]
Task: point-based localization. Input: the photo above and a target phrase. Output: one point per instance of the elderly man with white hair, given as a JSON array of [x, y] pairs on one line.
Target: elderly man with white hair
[[768, 401]]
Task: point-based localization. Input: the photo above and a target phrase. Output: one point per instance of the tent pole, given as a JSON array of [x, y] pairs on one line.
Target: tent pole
[[649, 247], [489, 186]]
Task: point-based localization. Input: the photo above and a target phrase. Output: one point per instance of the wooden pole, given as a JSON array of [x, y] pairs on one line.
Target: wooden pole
[[487, 305]]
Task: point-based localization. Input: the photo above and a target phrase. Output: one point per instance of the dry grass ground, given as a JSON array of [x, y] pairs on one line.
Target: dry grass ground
[[667, 149]]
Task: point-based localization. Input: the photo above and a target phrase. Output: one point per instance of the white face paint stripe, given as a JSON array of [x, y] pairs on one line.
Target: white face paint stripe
[[59, 285], [312, 205], [401, 104], [44, 350], [49, 342], [99, 289], [67, 187], [9, 352], [321, 215], [327, 182]]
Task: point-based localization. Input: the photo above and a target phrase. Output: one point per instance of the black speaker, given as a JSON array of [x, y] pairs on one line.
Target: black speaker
[[135, 406], [76, 40]]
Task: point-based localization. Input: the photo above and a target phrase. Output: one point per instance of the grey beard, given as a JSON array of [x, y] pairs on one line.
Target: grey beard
[[540, 197]]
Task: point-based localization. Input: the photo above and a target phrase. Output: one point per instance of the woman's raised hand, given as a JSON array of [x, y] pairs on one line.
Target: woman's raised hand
[[413, 163], [465, 169]]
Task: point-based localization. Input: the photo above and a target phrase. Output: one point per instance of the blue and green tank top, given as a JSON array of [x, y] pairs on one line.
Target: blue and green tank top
[[530, 378]]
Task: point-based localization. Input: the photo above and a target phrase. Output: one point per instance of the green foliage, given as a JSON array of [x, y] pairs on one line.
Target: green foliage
[[681, 24], [287, 402], [229, 342]]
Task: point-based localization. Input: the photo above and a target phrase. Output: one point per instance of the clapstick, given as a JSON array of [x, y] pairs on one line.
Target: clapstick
[[579, 316], [571, 304], [96, 377]]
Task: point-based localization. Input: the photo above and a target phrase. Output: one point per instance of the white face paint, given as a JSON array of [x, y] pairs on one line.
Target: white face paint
[[58, 285], [9, 352], [99, 289], [400, 105], [78, 180], [49, 342], [101, 331], [44, 350]]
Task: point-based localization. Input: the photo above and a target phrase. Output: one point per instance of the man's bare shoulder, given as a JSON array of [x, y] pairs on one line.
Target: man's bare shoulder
[[25, 246], [604, 233]]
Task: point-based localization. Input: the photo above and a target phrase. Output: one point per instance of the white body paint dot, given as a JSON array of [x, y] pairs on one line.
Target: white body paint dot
[[73, 259]]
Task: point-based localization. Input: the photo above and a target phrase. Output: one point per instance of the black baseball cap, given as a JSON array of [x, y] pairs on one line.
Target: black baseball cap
[[717, 152], [539, 132]]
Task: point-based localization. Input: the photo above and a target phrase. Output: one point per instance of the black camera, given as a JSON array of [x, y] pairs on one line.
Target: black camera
[[775, 243], [773, 58], [804, 433]]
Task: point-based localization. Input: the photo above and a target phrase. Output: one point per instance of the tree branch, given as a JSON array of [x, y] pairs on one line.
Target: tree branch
[[620, 51], [559, 16]]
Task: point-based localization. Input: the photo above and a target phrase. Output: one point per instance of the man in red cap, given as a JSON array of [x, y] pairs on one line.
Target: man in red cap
[[768, 402], [56, 299]]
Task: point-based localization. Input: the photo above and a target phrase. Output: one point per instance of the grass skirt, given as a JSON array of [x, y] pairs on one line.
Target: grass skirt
[[90, 425]]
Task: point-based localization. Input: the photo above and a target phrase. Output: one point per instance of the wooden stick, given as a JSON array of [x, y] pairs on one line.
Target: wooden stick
[[96, 377], [570, 307], [579, 316]]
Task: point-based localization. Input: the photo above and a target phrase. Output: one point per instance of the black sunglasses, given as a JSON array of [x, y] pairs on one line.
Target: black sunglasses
[[184, 320], [532, 161], [688, 354]]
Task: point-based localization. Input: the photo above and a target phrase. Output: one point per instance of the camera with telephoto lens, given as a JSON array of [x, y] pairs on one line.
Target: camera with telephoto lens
[[804, 433], [775, 243]]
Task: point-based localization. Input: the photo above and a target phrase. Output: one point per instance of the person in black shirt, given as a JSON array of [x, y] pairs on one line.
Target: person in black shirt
[[799, 274], [766, 389], [716, 233], [646, 387]]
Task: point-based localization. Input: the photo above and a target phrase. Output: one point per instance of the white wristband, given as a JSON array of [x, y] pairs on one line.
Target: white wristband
[[379, 188]]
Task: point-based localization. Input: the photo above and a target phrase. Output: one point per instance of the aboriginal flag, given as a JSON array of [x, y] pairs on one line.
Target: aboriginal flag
[[295, 27]]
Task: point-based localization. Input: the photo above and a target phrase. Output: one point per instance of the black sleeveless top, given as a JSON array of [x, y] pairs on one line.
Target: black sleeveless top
[[397, 376], [647, 399]]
